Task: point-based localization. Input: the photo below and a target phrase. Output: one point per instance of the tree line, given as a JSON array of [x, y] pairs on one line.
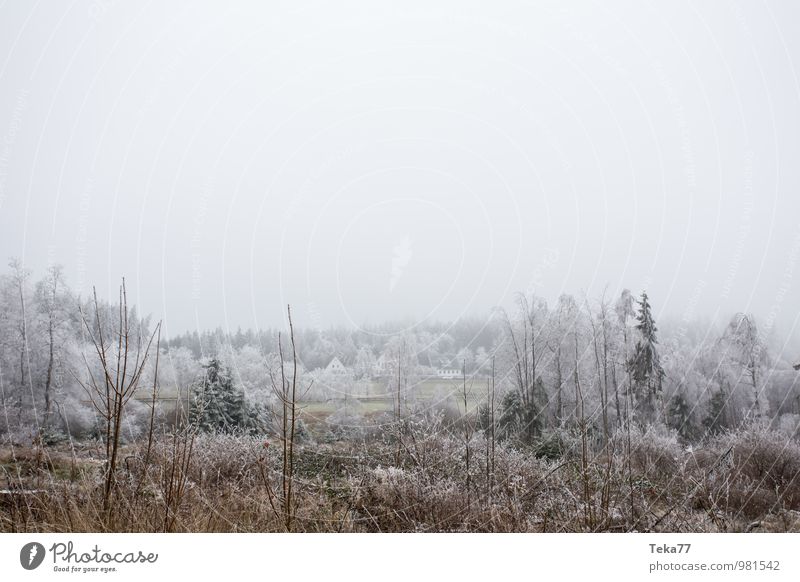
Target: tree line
[[592, 366]]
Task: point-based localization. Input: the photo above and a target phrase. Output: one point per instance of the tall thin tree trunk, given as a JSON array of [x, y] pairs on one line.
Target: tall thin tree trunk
[[467, 436], [587, 496], [559, 388], [51, 356], [493, 426], [616, 393], [293, 412], [23, 352]]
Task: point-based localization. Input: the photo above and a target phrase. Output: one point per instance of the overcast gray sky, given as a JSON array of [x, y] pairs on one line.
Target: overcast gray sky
[[372, 161]]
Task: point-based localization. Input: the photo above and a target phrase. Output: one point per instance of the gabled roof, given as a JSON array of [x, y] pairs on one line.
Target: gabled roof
[[335, 363]]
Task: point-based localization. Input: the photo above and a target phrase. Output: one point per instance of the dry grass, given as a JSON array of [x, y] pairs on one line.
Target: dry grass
[[743, 481]]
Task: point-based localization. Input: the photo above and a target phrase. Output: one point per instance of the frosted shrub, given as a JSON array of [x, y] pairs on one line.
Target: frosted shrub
[[789, 425], [398, 500], [655, 452], [751, 473], [223, 458], [767, 463]]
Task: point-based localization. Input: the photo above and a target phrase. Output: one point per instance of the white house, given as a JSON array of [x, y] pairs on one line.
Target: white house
[[336, 367], [384, 366], [448, 373]]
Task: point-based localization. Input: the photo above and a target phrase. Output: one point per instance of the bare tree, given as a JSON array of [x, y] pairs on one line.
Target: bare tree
[[19, 277], [624, 310], [49, 295], [745, 349], [122, 359], [469, 430], [490, 431], [405, 368], [601, 366], [398, 403], [285, 388], [525, 338], [580, 418], [600, 341], [562, 321]]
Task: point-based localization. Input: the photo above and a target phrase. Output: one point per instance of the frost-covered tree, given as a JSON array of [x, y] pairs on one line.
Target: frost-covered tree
[[18, 394], [219, 405], [365, 363], [401, 356], [53, 305], [250, 372], [744, 349], [716, 419], [520, 418], [679, 416], [625, 311], [524, 349], [644, 364], [561, 326]]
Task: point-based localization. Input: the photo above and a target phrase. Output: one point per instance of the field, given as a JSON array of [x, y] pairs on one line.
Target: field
[[373, 400], [426, 480], [429, 393]]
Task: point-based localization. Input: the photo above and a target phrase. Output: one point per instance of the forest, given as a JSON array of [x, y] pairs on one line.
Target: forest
[[584, 415]]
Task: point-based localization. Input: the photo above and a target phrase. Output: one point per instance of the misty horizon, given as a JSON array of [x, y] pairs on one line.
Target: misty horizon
[[385, 163]]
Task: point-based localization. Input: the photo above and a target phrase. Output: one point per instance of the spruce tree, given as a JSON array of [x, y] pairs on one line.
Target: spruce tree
[[220, 406], [645, 364], [679, 416], [520, 418], [716, 420]]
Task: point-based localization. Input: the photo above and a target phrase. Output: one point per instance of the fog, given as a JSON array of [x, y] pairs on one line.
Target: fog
[[383, 161]]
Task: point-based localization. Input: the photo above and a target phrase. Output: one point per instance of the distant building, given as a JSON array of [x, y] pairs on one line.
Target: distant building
[[336, 367], [448, 373], [448, 368], [384, 366]]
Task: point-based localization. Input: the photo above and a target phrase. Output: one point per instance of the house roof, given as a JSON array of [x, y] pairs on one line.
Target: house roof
[[335, 361]]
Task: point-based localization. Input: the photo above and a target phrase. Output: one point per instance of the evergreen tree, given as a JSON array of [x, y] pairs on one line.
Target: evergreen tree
[[521, 418], [716, 421], [679, 416], [645, 364], [220, 406], [511, 417]]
